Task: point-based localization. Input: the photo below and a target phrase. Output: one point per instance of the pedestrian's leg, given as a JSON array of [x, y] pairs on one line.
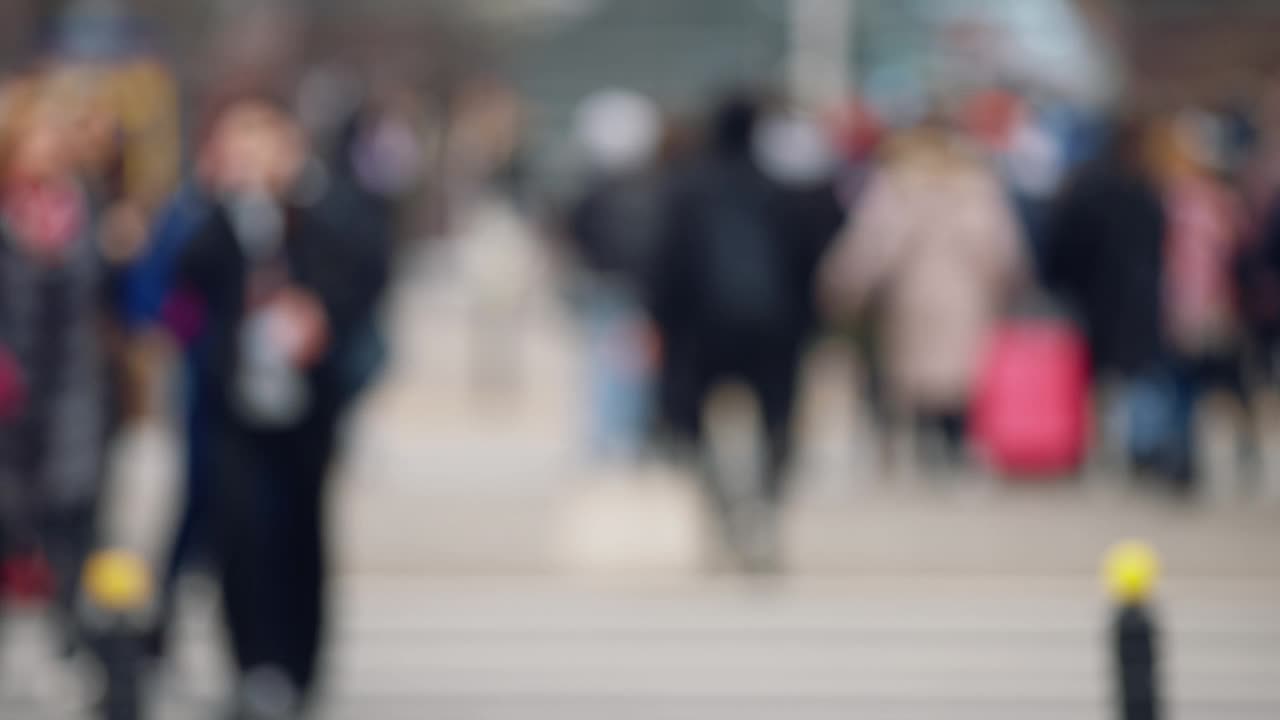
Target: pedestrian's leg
[[69, 536], [1181, 453], [954, 428], [775, 386], [264, 603], [308, 591], [612, 352], [690, 421], [678, 409], [192, 541], [239, 544], [307, 562], [875, 402], [632, 368], [599, 346], [695, 416], [926, 432], [1239, 377], [757, 523]]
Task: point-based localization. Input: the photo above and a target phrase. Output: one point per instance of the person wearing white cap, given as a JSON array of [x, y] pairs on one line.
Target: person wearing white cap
[[613, 228]]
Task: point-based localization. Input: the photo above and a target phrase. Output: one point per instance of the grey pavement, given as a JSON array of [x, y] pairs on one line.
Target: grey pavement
[[870, 646]]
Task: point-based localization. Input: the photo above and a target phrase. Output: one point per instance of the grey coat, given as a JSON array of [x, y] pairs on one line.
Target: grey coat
[[52, 453]]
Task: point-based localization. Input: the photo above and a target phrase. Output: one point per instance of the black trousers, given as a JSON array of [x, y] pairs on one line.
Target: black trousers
[[768, 365], [1193, 377], [270, 543]]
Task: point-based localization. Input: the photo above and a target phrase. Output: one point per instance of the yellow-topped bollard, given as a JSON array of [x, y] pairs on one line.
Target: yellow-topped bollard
[[118, 581], [117, 593], [1131, 571]]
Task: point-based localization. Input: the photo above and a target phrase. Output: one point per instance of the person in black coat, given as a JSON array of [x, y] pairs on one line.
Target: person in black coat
[[732, 296], [1105, 256], [285, 286]]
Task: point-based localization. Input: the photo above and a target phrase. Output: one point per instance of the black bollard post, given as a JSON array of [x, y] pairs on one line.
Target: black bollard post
[[1137, 664], [120, 651], [1131, 572]]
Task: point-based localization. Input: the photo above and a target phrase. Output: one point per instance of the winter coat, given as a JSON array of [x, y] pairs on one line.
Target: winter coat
[[934, 251], [1105, 257], [1204, 241], [52, 451], [323, 253]]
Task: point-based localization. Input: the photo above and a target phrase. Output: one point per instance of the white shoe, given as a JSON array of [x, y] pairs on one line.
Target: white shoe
[[268, 694]]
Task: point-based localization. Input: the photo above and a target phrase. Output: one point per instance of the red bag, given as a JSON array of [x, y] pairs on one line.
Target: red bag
[[12, 388], [1031, 412]]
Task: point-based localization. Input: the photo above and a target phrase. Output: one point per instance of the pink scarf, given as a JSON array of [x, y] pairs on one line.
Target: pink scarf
[[45, 218]]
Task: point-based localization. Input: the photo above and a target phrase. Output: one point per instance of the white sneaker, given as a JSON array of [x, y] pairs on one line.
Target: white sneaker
[[268, 694]]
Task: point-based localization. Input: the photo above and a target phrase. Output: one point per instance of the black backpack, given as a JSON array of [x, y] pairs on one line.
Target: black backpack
[[744, 269]]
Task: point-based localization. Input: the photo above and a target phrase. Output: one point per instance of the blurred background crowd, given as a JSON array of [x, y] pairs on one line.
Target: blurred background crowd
[[1045, 232]]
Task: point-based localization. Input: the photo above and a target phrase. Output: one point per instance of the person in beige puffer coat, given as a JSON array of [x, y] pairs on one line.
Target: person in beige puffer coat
[[934, 253]]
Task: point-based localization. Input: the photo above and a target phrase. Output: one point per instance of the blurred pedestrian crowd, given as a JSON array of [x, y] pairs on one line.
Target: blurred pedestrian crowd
[[1025, 284], [1029, 286]]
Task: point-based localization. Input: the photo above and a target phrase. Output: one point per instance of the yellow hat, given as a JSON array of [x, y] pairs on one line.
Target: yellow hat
[[1131, 570]]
